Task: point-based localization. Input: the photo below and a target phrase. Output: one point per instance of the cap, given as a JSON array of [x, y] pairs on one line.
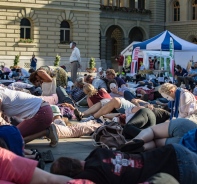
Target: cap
[[100, 69], [56, 110]]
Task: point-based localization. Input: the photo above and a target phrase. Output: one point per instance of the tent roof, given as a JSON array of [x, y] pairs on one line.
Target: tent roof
[[162, 42], [128, 49]]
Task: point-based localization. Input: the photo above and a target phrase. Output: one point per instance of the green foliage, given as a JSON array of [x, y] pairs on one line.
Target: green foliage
[[16, 60], [57, 60], [26, 40], [92, 63]]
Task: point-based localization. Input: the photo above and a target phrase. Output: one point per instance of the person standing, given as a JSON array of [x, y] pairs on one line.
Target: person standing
[[75, 60], [33, 62], [120, 60]]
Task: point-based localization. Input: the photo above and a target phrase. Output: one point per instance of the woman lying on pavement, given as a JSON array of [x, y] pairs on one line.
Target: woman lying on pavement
[[95, 96], [161, 134], [62, 128], [15, 169], [104, 166]]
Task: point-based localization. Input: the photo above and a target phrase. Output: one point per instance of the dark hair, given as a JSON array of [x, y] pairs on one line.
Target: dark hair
[[178, 67], [32, 77], [88, 78], [66, 166], [31, 70]]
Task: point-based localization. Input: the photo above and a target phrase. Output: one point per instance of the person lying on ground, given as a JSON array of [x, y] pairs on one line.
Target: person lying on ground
[[77, 92], [96, 82], [62, 128], [163, 134], [99, 109], [183, 101], [16, 169], [120, 92], [107, 166], [111, 75], [94, 96]]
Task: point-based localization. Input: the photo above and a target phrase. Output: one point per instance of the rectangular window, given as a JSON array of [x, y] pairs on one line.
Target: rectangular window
[[67, 36], [22, 35], [28, 33], [61, 36]]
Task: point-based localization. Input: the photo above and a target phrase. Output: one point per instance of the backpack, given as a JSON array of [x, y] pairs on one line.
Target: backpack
[[63, 96], [109, 136]]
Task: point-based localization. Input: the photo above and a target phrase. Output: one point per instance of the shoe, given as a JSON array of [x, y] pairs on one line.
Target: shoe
[[47, 156], [131, 146], [41, 164], [78, 114], [53, 136], [88, 119]]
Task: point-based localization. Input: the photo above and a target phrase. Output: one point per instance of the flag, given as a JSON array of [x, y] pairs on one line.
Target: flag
[[134, 63], [172, 63]]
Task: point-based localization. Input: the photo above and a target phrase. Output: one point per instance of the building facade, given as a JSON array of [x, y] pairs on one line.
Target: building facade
[[45, 28], [101, 28]]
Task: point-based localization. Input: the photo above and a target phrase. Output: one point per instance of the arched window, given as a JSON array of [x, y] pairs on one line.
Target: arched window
[[25, 32], [194, 9], [176, 11], [64, 32]]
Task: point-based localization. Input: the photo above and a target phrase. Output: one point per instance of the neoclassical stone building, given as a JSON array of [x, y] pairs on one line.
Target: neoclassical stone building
[[101, 28], [50, 25]]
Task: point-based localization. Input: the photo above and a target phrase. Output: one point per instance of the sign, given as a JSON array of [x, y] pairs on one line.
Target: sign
[[172, 63], [134, 64]]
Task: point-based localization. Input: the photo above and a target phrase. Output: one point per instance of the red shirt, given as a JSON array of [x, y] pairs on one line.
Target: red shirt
[[151, 65], [120, 60], [15, 169], [99, 96]]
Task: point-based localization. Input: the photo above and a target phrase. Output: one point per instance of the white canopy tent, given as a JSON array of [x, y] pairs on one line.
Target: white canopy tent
[[184, 50]]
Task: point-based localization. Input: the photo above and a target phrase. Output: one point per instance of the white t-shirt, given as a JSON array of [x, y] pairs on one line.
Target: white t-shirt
[[49, 88], [75, 55], [19, 104]]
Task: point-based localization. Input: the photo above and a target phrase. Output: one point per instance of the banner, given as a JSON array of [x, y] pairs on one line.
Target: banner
[[172, 63], [134, 63]]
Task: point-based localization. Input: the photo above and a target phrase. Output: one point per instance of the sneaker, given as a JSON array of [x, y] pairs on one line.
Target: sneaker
[[78, 114], [88, 119], [53, 136]]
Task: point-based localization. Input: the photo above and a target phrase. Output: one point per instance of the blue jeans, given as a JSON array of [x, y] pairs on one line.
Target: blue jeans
[[128, 95], [177, 128], [187, 164]]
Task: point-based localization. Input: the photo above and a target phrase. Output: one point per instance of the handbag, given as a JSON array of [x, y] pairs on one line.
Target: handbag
[[109, 136]]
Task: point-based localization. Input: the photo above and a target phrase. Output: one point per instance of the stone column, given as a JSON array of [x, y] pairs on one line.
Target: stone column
[[114, 3], [103, 51]]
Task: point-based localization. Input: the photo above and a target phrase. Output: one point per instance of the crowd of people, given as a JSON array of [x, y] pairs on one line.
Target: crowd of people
[[154, 126]]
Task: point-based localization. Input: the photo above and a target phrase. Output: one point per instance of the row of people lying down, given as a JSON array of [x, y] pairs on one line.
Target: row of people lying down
[[170, 92], [103, 165]]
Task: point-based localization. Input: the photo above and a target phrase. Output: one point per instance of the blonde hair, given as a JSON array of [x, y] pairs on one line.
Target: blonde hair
[[111, 71], [89, 90], [166, 88]]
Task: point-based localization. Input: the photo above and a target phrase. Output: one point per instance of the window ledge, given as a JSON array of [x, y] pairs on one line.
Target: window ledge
[[27, 44], [62, 46]]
